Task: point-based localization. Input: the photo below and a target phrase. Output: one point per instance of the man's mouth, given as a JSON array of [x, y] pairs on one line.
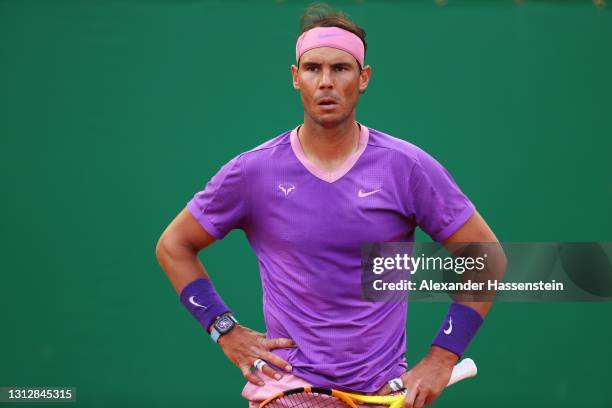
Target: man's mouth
[[327, 102]]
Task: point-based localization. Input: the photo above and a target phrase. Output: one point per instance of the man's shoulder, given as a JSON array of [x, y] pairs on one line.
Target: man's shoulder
[[269, 147], [281, 140], [394, 146]]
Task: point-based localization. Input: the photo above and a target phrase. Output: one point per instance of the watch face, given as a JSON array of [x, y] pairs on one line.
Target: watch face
[[224, 324]]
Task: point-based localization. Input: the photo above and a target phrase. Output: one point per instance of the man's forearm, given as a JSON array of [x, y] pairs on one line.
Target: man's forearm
[[481, 307], [495, 269], [190, 280]]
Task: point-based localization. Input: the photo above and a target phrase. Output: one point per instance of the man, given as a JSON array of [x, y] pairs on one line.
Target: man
[[306, 200]]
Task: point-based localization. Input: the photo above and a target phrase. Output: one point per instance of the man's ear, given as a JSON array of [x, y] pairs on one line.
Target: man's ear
[[294, 76], [364, 78]]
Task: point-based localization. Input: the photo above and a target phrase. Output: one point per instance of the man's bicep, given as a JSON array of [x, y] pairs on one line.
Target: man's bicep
[[186, 230]]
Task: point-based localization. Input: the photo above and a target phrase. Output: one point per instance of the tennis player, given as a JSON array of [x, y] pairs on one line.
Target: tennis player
[[306, 200]]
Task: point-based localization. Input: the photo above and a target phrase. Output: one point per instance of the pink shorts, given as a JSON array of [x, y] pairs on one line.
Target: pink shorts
[[256, 394]]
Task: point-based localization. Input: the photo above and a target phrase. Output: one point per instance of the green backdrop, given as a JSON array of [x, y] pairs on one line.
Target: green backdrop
[[113, 113]]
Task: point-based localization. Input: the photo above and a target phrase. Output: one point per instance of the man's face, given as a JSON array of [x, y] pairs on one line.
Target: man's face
[[329, 81]]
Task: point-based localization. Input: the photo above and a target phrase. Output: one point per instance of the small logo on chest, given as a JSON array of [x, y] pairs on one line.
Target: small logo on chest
[[362, 194], [286, 188]]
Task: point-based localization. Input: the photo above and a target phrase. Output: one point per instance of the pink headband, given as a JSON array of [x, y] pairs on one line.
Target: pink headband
[[334, 37]]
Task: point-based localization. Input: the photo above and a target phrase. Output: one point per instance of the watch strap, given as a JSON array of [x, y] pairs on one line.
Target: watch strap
[[214, 333]]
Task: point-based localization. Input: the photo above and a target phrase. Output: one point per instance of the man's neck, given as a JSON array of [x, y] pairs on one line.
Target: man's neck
[[328, 148]]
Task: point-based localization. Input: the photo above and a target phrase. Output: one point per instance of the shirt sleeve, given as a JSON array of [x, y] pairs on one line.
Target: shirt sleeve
[[220, 207], [440, 208]]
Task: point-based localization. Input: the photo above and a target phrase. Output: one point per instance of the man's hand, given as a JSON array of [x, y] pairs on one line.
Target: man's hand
[[243, 346], [426, 380]]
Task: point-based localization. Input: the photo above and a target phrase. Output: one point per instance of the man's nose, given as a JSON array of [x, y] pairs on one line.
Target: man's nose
[[326, 80]]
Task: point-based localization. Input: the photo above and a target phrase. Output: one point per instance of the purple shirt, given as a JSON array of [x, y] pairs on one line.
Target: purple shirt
[[306, 227]]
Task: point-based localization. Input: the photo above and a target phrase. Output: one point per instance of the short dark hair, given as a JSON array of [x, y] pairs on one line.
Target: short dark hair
[[324, 15]]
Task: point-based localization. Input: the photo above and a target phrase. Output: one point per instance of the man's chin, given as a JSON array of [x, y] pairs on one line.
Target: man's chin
[[330, 120]]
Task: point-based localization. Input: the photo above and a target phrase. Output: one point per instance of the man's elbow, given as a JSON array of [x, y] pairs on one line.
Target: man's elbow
[[504, 259], [498, 259], [163, 249], [173, 246]]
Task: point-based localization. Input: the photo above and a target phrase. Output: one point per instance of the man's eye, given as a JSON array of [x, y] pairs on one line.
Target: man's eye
[[340, 68], [311, 68]]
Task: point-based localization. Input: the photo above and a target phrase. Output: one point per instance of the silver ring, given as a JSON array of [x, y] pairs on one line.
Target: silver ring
[[396, 384], [259, 363]]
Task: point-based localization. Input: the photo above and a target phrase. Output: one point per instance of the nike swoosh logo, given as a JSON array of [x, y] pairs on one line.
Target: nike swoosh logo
[[193, 302], [327, 35], [450, 326], [363, 194]]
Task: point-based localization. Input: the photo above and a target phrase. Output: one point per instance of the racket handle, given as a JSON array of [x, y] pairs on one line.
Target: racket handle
[[465, 369]]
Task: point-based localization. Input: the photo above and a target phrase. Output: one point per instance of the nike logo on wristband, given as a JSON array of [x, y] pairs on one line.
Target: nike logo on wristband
[[193, 302], [450, 326]]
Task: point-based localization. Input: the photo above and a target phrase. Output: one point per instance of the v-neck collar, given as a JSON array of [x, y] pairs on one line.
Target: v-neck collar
[[329, 176]]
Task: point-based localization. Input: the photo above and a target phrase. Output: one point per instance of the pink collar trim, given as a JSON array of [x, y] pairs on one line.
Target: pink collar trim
[[337, 174]]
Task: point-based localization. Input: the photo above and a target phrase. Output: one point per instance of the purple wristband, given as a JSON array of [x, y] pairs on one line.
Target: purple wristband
[[203, 302], [459, 327]]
